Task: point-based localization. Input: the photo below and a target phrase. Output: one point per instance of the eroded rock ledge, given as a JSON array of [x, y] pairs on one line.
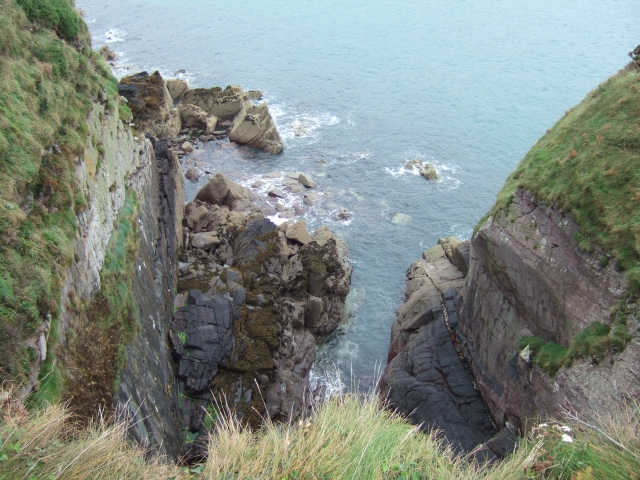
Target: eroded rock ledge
[[252, 299], [426, 380]]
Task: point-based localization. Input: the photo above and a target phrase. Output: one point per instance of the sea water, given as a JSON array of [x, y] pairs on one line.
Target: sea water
[[358, 88]]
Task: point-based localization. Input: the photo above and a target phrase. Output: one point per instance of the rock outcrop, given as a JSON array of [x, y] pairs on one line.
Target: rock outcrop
[[254, 126], [251, 305], [425, 379], [151, 104], [529, 277], [200, 110]]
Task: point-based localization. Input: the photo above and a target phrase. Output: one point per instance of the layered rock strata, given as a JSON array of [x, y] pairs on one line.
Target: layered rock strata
[[529, 277], [254, 297], [425, 379]]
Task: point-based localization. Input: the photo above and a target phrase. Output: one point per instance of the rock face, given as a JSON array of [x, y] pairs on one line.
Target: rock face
[[222, 104], [425, 378], [151, 104], [146, 391], [528, 277], [250, 308], [254, 126], [177, 88]]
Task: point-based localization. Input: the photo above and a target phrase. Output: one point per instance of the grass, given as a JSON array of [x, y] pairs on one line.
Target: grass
[[588, 166], [349, 437], [593, 344], [49, 78]]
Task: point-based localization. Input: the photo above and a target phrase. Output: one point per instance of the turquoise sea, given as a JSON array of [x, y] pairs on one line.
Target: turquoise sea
[[358, 88]]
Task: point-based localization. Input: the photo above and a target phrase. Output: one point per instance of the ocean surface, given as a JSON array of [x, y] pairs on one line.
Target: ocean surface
[[357, 89]]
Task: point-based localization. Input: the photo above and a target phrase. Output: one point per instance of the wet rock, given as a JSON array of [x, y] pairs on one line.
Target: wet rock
[[429, 172], [311, 198], [298, 233], [277, 193], [306, 181], [400, 219], [192, 174], [341, 214], [187, 147]]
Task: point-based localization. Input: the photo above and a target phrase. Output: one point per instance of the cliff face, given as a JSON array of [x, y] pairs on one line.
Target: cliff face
[[529, 278], [98, 349]]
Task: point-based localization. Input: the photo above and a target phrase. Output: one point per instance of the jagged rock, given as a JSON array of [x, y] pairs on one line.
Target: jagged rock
[[202, 338], [220, 190], [298, 233], [306, 181], [425, 378], [177, 88], [195, 117], [222, 104], [457, 252], [429, 172], [151, 104], [254, 126], [108, 54]]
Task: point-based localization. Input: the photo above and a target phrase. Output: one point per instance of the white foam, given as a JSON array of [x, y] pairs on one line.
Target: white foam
[[298, 125], [115, 35]]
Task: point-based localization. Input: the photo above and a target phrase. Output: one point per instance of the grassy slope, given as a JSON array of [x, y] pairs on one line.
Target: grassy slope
[[348, 438], [48, 79], [588, 165]]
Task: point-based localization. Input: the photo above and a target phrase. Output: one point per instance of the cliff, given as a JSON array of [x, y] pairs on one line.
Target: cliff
[[91, 220], [548, 315], [546, 320]]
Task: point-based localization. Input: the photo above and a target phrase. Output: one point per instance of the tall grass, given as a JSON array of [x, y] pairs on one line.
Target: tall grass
[[348, 437]]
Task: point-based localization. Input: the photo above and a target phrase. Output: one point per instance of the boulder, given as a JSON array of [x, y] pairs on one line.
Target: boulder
[[151, 104], [187, 147], [220, 190], [311, 198], [222, 104], [205, 240], [254, 126], [298, 233], [306, 181], [177, 88], [277, 193], [193, 116], [192, 174], [429, 172]]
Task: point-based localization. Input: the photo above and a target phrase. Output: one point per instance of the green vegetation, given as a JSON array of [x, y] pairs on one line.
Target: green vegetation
[[350, 437], [48, 79], [593, 343], [588, 165]]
